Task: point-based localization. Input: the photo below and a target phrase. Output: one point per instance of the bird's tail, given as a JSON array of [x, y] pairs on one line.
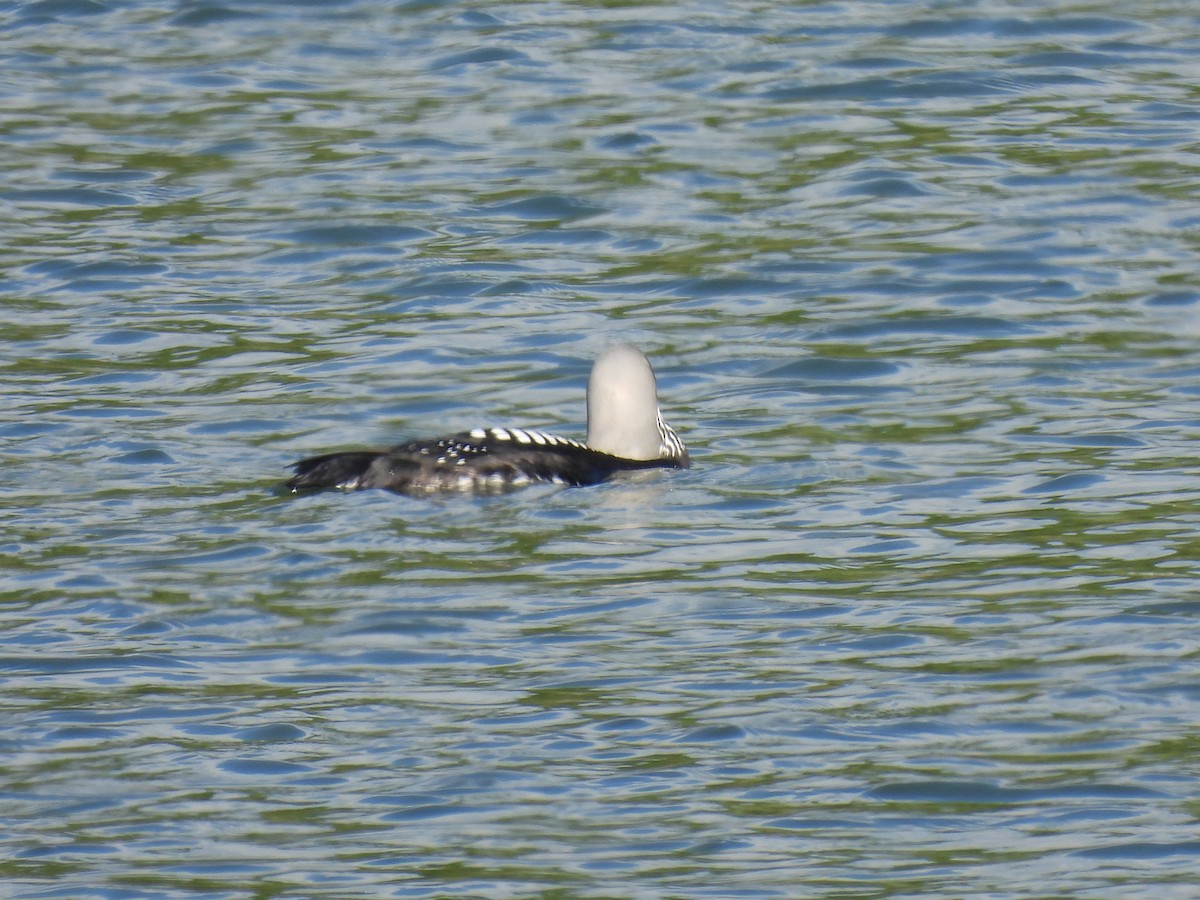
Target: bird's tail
[[333, 470]]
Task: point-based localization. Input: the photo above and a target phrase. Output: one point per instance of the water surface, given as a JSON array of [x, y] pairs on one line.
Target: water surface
[[919, 283]]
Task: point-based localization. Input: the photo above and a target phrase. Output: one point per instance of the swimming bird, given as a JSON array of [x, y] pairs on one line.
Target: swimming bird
[[625, 431]]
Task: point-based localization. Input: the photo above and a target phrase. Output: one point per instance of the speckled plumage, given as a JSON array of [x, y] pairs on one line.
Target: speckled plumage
[[495, 459]]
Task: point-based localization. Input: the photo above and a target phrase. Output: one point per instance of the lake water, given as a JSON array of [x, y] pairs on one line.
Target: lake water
[[921, 283]]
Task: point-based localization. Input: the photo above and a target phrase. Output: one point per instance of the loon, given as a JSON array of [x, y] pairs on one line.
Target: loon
[[625, 430]]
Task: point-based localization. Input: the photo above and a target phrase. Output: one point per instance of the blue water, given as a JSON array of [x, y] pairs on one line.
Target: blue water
[[920, 286]]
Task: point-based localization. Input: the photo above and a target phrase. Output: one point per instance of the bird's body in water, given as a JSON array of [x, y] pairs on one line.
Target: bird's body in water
[[625, 432]]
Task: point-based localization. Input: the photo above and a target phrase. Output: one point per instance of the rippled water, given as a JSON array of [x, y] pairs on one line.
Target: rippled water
[[921, 285]]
